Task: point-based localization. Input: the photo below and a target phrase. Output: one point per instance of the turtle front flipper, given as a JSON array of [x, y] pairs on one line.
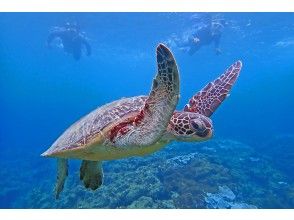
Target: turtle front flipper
[[163, 97], [164, 94], [62, 172], [92, 174], [145, 127], [214, 93]]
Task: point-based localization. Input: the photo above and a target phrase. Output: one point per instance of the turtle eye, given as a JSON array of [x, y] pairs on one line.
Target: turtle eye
[[195, 125]]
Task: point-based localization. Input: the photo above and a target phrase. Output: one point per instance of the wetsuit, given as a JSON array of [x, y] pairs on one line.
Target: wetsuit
[[72, 41]]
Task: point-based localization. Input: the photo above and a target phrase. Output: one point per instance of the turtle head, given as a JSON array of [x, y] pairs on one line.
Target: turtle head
[[190, 126]]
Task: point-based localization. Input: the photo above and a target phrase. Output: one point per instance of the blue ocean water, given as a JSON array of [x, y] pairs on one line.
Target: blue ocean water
[[249, 161]]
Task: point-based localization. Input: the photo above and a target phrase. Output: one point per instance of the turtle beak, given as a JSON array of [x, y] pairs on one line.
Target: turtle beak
[[210, 132]]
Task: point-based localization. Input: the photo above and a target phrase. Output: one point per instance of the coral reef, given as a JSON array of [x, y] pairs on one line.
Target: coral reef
[[224, 199], [213, 174]]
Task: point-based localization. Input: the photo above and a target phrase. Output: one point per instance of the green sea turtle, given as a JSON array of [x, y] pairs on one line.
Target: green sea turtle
[[139, 125]]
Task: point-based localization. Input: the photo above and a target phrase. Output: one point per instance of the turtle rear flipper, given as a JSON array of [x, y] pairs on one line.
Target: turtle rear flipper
[[62, 172], [92, 174]]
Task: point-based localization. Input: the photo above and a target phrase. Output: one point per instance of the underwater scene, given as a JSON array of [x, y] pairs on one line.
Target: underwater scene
[[147, 110]]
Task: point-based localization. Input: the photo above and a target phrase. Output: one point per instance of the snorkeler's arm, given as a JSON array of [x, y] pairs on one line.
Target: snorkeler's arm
[[52, 36], [216, 43], [88, 47]]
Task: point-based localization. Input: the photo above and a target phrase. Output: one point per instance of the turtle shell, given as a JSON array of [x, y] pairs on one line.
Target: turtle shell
[[90, 126]]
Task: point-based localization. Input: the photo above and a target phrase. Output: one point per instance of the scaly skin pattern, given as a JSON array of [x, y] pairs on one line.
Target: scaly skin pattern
[[139, 125], [147, 127], [115, 128], [193, 123], [213, 94], [125, 124], [189, 126]]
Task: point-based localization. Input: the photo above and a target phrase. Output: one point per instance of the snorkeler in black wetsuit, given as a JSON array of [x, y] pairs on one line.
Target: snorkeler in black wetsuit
[[72, 40], [205, 35]]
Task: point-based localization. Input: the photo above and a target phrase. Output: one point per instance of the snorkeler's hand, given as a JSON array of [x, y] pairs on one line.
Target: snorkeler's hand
[[196, 40], [218, 51]]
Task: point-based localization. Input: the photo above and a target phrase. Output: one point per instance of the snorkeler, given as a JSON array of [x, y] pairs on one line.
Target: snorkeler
[[204, 35], [72, 40]]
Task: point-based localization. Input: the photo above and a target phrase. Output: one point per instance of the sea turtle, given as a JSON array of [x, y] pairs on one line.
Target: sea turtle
[[139, 125]]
